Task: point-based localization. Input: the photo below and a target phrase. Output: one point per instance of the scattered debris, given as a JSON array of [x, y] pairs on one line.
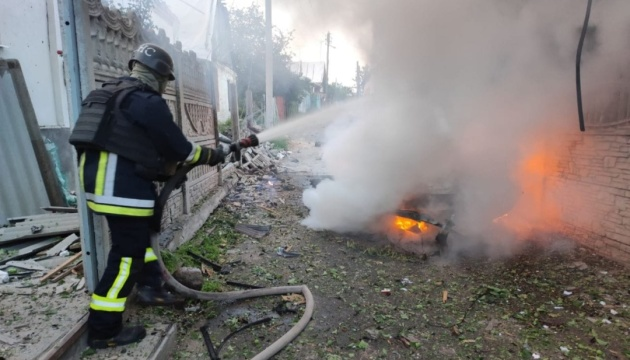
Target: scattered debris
[[190, 277], [27, 265], [296, 299], [386, 292], [39, 226], [62, 245], [60, 267], [30, 250], [226, 269], [282, 251], [255, 231], [8, 340], [245, 286]]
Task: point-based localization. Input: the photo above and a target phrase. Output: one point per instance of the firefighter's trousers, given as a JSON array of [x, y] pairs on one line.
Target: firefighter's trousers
[[131, 260]]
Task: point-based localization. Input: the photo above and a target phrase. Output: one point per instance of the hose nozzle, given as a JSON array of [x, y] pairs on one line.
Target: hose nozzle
[[235, 148]]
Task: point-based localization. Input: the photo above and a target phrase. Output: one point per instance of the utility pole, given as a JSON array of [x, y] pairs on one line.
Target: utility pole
[[327, 74], [358, 79], [269, 102]]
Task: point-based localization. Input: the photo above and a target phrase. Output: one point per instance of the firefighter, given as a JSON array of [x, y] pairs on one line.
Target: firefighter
[[126, 140]]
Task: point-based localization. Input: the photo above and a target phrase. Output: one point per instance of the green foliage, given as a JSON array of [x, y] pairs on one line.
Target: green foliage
[[248, 58], [141, 8], [225, 128], [338, 92], [211, 286], [281, 143], [209, 242], [363, 76]]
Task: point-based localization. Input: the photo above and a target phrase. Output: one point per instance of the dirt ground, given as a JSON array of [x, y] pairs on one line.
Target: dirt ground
[[553, 300]]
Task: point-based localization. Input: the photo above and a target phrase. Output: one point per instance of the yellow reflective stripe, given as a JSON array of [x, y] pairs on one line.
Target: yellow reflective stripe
[[149, 255], [105, 304], [123, 274], [119, 210], [81, 168], [99, 188], [197, 154]]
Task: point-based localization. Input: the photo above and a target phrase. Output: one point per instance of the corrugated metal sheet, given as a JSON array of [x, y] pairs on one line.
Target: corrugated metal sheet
[[22, 190]]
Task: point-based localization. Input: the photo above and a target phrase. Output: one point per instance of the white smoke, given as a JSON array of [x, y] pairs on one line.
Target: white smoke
[[459, 89]]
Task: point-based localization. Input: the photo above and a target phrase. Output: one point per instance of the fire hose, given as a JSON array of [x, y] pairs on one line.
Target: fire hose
[[174, 182], [578, 81]]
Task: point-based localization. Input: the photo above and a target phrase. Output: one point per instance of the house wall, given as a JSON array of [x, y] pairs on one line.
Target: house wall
[[224, 76], [114, 36], [591, 185], [29, 33]]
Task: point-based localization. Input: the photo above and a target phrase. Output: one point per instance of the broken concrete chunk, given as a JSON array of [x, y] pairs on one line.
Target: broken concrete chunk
[[8, 340], [190, 277]]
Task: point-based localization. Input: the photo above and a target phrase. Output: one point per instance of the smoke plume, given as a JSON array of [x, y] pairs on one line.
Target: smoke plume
[[462, 93]]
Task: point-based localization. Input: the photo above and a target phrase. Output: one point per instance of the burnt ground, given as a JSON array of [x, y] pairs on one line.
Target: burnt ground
[[552, 300]]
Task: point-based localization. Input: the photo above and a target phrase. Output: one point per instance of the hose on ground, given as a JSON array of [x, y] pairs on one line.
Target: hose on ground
[[174, 182]]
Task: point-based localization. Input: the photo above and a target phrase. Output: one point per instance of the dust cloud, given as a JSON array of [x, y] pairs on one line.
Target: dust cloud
[[459, 91]]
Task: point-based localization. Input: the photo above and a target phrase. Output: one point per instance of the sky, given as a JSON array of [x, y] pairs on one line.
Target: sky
[[309, 43]]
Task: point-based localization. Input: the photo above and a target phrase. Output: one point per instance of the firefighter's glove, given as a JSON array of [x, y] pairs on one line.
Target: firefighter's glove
[[212, 157]]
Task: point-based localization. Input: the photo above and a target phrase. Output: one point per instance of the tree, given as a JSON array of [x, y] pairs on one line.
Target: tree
[[141, 8], [248, 58], [362, 77], [338, 92]]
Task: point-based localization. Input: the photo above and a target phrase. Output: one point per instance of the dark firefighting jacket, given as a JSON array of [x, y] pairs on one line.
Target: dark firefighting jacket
[[116, 185]]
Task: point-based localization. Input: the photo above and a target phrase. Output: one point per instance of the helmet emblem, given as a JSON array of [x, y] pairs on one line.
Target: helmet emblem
[[147, 50]]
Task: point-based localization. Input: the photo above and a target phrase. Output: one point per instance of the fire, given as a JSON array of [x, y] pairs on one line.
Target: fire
[[409, 225], [535, 174]]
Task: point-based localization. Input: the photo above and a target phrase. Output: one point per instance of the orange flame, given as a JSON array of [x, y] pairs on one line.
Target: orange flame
[[535, 174], [408, 224]]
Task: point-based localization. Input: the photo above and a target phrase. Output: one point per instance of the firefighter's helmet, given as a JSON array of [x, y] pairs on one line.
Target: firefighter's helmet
[[155, 58]]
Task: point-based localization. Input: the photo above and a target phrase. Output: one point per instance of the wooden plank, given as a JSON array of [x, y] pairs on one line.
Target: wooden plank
[[67, 272], [55, 224], [61, 266], [30, 250], [60, 209], [21, 219], [62, 245], [44, 219], [28, 265]]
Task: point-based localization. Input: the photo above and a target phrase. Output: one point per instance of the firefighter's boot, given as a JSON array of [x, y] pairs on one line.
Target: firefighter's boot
[[128, 335]]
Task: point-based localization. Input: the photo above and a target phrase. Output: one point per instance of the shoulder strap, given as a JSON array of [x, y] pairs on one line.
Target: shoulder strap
[[122, 89]]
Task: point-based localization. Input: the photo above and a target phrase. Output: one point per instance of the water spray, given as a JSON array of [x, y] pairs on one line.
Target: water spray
[[312, 121]]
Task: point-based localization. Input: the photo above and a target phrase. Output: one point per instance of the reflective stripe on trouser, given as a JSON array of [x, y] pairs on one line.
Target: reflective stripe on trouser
[[151, 274], [114, 299], [130, 239], [102, 200]]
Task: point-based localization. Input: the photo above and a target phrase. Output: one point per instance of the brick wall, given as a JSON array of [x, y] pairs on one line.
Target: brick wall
[[591, 187], [113, 37]]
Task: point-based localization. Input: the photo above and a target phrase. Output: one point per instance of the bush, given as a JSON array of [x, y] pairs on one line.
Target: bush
[[225, 128], [281, 144]]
